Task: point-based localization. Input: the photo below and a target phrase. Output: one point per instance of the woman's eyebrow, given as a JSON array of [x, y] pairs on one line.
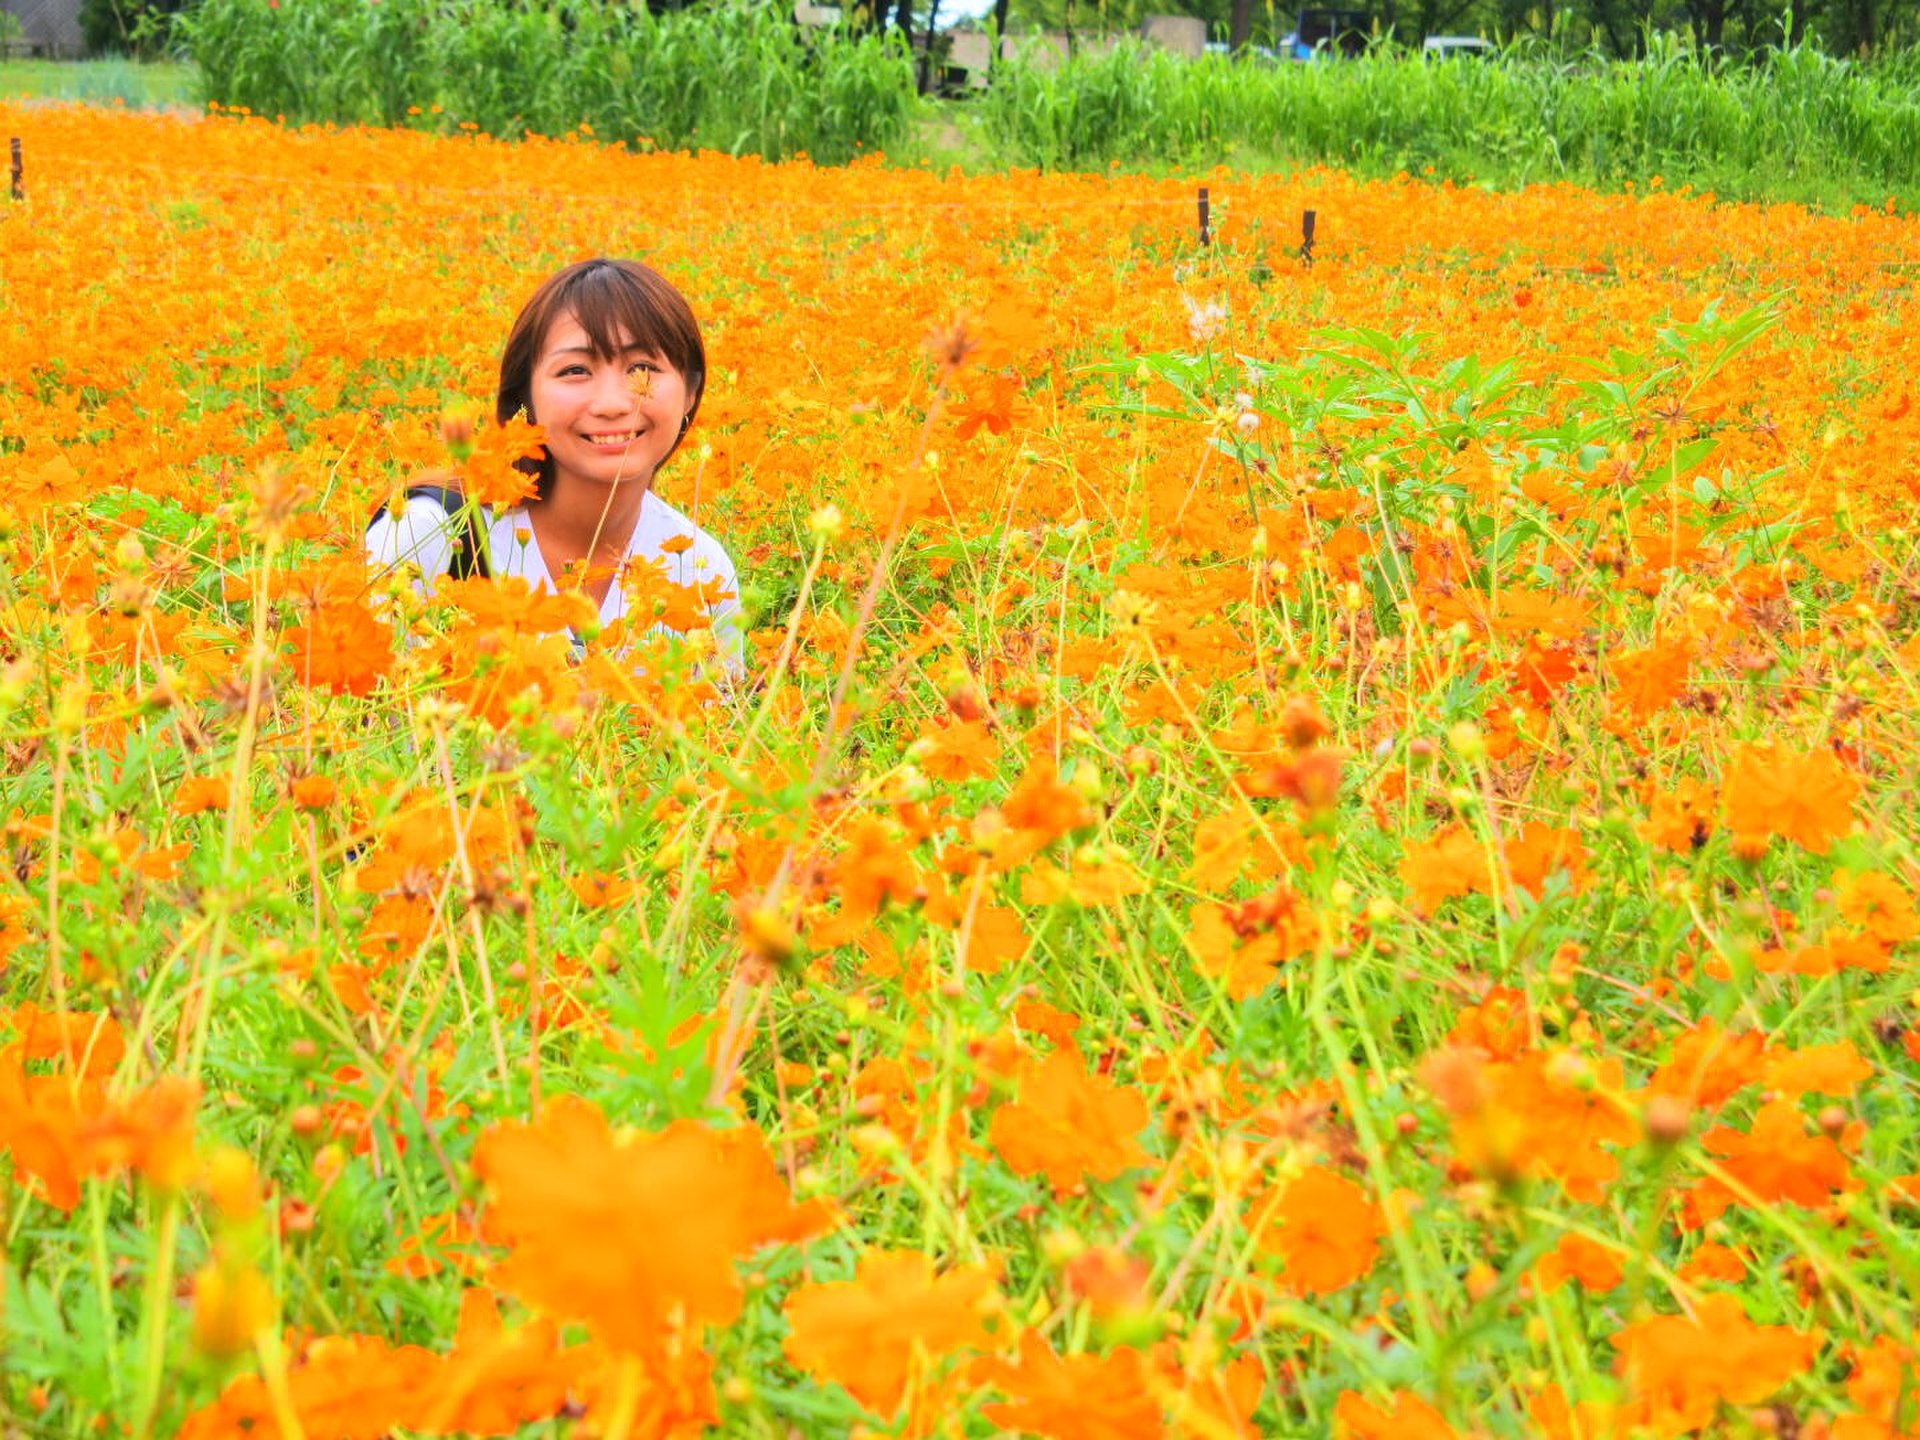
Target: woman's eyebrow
[[644, 351]]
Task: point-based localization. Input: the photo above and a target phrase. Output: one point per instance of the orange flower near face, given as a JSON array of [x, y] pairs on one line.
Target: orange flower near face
[[1070, 1126], [1807, 799], [881, 1333], [1679, 1370], [40, 1120], [1405, 1417], [1326, 1229], [623, 1234], [1075, 1397], [492, 475]]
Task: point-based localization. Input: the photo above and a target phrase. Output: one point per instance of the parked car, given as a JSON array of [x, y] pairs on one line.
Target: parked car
[[1331, 32], [1268, 53], [1456, 47]]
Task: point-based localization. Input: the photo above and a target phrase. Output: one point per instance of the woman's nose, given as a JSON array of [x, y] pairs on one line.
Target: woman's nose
[[611, 392]]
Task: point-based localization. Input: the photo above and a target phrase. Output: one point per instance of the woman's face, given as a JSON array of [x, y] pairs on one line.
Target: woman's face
[[608, 422]]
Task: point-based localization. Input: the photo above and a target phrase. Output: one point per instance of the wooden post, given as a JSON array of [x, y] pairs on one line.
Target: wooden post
[[1306, 236], [1206, 236], [17, 185]]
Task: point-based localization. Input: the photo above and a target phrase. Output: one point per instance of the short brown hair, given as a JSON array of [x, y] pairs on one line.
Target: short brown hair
[[609, 299]]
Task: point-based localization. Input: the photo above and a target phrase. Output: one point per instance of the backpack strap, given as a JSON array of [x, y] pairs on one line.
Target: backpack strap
[[469, 557]]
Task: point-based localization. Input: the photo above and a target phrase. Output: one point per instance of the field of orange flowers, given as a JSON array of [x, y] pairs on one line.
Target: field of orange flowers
[[1311, 849]]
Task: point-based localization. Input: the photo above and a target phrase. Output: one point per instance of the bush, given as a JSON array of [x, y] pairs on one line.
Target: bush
[[129, 27], [737, 78], [1516, 117]]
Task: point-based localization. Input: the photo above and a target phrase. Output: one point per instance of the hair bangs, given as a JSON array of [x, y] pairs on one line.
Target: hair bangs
[[617, 315]]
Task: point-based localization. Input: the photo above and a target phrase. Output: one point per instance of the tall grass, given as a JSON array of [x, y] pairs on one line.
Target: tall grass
[[1516, 116], [740, 78], [736, 78]]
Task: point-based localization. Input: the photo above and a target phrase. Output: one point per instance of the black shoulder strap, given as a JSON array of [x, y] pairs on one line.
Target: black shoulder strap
[[469, 556]]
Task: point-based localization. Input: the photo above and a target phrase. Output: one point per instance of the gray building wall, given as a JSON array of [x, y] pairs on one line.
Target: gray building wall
[[52, 26]]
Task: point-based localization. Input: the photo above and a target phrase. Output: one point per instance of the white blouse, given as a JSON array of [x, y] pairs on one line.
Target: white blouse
[[424, 535]]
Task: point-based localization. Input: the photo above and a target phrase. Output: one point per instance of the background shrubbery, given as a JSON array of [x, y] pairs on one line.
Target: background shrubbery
[[1792, 123], [1788, 113], [128, 27], [742, 79]]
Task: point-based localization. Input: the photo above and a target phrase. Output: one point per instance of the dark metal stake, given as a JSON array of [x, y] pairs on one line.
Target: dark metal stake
[[1306, 237], [17, 188], [1206, 236]]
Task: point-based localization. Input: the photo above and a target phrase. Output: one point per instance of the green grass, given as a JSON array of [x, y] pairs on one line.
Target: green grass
[[140, 84], [952, 134]]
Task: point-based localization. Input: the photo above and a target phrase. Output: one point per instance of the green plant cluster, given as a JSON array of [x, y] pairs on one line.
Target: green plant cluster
[[740, 78], [1516, 116], [736, 78], [140, 28]]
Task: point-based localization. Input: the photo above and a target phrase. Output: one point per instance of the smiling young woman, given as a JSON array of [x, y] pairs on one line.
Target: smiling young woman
[[607, 359]]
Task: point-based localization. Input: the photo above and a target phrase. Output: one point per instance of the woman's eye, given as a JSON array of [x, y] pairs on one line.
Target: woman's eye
[[647, 365]]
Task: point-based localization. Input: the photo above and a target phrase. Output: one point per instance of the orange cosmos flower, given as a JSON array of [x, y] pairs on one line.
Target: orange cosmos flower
[[882, 1332], [200, 793], [342, 648], [1326, 1230], [1680, 1369], [1777, 1160], [313, 792], [1453, 862], [1070, 1126], [1595, 1267], [1804, 798], [1878, 904], [1076, 1397], [500, 470], [1405, 1417], [623, 1235]]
